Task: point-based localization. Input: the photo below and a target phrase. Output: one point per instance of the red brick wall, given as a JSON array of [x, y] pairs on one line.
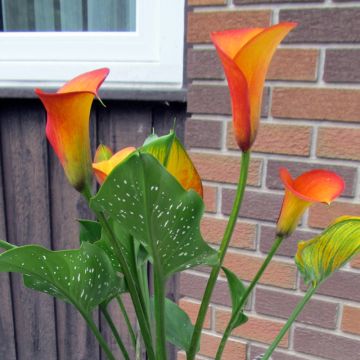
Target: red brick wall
[[311, 118]]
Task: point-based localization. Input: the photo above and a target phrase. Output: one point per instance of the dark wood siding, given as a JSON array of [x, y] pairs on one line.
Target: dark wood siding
[[37, 205]]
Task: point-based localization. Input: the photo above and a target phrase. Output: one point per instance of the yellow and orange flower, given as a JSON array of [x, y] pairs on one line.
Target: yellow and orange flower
[[310, 187], [67, 127], [103, 168], [167, 149], [245, 55]]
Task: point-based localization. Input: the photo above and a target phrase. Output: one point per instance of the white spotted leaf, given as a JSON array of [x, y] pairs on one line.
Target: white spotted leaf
[[154, 208], [83, 277]]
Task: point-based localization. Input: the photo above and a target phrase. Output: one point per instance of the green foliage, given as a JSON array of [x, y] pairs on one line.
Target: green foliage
[[154, 208], [90, 231], [237, 290], [83, 277]]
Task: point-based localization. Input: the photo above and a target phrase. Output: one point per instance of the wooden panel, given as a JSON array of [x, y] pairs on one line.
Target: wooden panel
[[41, 207], [75, 340], [7, 334], [27, 212]]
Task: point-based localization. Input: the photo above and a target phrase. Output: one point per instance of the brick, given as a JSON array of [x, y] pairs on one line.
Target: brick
[[206, 2], [192, 309], [321, 215], [288, 246], [278, 139], [342, 66], [323, 25], [355, 262], [204, 64], [256, 328], [210, 198], [348, 173], [316, 312], [330, 138], [287, 64], [215, 99], [201, 24], [225, 168], [350, 321], [294, 64], [277, 355], [283, 139], [316, 104], [340, 285], [325, 345], [191, 285], [256, 205], [242, 2], [278, 273], [244, 235], [234, 350], [203, 134]]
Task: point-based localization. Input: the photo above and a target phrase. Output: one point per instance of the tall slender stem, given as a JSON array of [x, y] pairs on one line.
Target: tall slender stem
[[115, 332], [246, 295], [127, 320], [245, 161], [143, 323], [98, 335], [291, 319], [159, 312]]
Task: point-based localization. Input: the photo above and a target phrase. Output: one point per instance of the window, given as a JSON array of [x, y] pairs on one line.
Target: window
[[141, 41]]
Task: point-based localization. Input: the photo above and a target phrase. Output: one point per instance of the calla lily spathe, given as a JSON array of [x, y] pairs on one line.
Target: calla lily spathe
[[103, 168], [167, 149], [310, 187], [67, 127], [319, 257], [245, 55]]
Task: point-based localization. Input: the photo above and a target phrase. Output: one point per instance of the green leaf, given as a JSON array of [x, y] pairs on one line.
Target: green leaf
[[178, 326], [150, 138], [155, 209], [237, 290], [90, 231], [83, 277]]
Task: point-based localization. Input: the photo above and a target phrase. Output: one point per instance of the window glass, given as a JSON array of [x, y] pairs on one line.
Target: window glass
[[68, 15]]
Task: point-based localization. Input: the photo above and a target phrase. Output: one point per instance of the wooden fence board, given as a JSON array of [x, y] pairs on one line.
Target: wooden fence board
[[27, 213], [7, 331]]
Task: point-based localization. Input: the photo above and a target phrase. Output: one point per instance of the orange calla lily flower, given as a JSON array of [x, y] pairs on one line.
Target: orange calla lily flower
[[67, 127], [245, 55], [310, 187], [103, 168]]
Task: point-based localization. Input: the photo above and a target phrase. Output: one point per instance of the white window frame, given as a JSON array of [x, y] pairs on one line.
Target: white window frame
[[149, 58]]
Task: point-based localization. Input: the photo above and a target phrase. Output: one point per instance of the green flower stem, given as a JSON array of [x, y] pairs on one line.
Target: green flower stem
[[245, 161], [159, 311], [127, 320], [142, 319], [115, 332], [98, 335], [291, 319], [246, 295]]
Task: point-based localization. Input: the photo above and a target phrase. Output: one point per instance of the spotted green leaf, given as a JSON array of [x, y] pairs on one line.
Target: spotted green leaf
[[237, 289], [83, 277], [322, 255], [155, 209]]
